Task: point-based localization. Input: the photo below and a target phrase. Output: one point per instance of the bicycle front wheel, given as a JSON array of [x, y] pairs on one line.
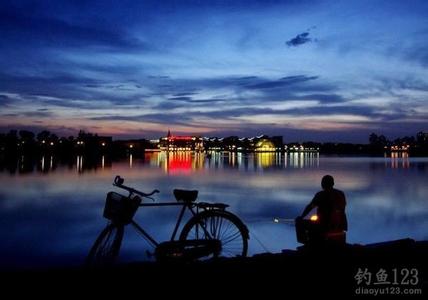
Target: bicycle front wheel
[[221, 225], [106, 248]]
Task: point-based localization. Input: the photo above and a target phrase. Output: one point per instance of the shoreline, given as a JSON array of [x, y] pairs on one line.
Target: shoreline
[[327, 271]]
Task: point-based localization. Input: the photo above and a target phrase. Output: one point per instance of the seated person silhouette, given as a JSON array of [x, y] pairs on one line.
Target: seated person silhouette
[[330, 224]]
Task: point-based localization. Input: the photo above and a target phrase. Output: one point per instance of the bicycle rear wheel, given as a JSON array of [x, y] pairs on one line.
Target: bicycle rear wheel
[[106, 248], [221, 225]]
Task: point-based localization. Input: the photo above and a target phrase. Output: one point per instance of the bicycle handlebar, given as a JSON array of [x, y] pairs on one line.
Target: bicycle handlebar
[[118, 181]]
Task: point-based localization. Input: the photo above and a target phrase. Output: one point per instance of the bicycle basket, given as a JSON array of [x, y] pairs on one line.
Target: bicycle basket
[[119, 208]]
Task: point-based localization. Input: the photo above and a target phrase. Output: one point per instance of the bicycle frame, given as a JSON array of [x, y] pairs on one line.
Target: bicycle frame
[[118, 182], [147, 236]]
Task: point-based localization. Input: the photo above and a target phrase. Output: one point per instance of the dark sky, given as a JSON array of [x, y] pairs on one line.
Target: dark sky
[[307, 70]]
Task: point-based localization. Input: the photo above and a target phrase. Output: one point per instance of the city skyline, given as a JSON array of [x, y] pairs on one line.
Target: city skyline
[[311, 70]]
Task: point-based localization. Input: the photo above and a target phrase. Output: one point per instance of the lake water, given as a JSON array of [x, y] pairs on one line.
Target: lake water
[[51, 213]]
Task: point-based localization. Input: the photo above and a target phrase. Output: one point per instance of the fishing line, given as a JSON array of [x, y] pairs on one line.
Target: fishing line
[[258, 240]]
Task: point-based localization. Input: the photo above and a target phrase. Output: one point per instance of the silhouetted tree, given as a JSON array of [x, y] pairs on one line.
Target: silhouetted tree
[[373, 139], [378, 143], [422, 138], [27, 144], [43, 136], [53, 138], [11, 143], [26, 135]]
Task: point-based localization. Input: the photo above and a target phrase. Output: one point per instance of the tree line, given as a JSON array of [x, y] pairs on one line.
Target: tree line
[[26, 142]]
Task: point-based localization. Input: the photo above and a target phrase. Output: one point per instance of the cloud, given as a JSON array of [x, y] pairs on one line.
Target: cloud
[[190, 117], [18, 25], [169, 105], [27, 112], [229, 116], [187, 118], [247, 78], [157, 118], [181, 98], [55, 85], [183, 103], [418, 54], [36, 114], [184, 94], [300, 39], [291, 83], [320, 110], [235, 88], [5, 100], [69, 90], [236, 91], [323, 98], [283, 82]]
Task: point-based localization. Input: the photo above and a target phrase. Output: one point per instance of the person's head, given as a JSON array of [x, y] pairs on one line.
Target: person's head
[[327, 182]]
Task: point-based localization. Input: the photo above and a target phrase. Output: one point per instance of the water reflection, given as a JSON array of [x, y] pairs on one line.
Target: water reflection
[[304, 159], [54, 219], [79, 163], [178, 163], [49, 163], [186, 162], [400, 160]]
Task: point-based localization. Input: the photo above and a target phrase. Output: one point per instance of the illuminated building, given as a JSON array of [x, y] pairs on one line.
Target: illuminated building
[[262, 143], [400, 148], [301, 148], [181, 143], [265, 145]]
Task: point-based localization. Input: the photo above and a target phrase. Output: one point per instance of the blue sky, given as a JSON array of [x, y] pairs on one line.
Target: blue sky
[[307, 70]]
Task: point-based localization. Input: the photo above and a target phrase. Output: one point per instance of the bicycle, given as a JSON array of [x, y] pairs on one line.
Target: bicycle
[[211, 231]]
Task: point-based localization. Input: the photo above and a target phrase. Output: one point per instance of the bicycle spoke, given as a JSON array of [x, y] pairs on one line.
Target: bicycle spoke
[[231, 238], [227, 229], [220, 226], [106, 247]]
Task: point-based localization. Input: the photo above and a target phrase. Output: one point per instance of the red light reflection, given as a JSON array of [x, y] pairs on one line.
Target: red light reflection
[[180, 163]]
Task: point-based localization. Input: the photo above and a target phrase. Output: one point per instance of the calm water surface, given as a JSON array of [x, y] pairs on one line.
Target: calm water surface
[[51, 213]]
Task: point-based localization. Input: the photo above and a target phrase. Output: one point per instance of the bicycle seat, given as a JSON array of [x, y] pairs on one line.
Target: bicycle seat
[[185, 195]]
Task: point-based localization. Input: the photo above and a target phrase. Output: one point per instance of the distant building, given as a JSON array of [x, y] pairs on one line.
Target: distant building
[[213, 143], [262, 143], [181, 143], [400, 148], [153, 145], [268, 144], [301, 148]]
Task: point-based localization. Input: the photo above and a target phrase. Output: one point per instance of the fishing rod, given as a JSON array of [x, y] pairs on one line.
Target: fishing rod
[[313, 218], [283, 220]]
